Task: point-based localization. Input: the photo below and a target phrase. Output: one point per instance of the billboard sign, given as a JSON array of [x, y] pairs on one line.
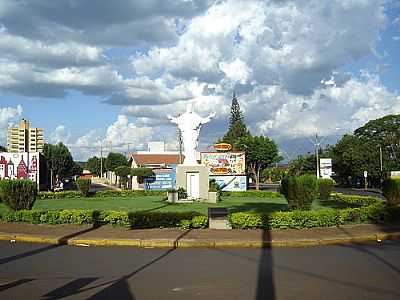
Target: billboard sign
[[394, 174], [24, 165], [224, 163], [325, 165], [164, 179], [223, 147], [231, 183]]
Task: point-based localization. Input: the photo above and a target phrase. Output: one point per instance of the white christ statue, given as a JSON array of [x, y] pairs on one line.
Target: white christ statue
[[189, 123]]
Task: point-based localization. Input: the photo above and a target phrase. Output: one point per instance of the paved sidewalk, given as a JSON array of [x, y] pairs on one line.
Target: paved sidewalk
[[84, 235]]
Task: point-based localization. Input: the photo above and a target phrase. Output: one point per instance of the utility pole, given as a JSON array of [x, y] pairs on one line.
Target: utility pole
[[317, 144], [380, 157], [128, 144], [101, 160]]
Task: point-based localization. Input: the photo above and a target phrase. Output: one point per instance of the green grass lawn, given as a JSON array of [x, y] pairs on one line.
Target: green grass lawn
[[155, 203]]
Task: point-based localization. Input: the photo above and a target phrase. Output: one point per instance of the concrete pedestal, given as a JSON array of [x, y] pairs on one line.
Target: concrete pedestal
[[199, 173]]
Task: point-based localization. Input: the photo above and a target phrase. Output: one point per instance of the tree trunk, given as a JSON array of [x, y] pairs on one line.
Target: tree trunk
[[258, 180]]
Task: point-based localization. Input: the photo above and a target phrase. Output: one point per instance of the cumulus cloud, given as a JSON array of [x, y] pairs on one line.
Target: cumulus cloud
[[294, 44], [109, 23], [283, 59], [8, 115], [60, 135], [330, 110], [30, 80], [116, 138], [60, 54]]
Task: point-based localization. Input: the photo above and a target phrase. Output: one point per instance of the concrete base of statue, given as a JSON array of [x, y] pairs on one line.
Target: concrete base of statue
[[195, 180]]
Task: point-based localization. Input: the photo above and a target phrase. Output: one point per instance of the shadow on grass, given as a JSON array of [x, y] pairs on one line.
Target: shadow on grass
[[258, 207], [322, 204]]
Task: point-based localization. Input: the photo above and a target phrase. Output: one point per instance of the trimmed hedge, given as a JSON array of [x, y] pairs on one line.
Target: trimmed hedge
[[115, 218], [325, 187], [18, 194], [253, 193], [355, 199], [391, 190], [300, 191], [298, 219], [101, 194], [370, 210]]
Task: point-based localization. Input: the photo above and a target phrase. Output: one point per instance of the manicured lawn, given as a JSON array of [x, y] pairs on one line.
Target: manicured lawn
[[155, 203]]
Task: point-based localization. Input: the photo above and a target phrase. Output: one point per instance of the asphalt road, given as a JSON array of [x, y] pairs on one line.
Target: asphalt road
[[32, 271]]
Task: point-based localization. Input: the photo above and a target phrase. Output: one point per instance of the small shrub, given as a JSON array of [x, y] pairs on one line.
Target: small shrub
[[325, 187], [184, 224], [214, 187], [199, 221], [182, 193], [59, 195], [391, 190], [84, 186], [300, 191], [18, 194]]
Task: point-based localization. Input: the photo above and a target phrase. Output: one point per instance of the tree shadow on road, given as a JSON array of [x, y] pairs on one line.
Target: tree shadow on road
[[60, 242], [113, 289]]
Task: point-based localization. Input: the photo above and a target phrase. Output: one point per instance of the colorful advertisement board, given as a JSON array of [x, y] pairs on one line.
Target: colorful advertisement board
[[20, 166], [231, 183], [224, 163], [164, 179], [325, 166]]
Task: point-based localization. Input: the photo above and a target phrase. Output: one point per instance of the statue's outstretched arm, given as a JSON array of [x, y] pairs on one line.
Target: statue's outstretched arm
[[173, 119], [208, 118]]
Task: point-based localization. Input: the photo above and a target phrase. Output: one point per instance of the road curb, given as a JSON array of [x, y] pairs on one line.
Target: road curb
[[198, 243]]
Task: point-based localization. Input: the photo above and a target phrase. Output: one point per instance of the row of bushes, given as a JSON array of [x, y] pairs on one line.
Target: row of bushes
[[297, 219], [355, 199], [253, 193], [100, 194], [301, 191], [115, 218]]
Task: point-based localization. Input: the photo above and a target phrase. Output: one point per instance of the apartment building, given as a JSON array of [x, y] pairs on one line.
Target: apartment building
[[25, 138]]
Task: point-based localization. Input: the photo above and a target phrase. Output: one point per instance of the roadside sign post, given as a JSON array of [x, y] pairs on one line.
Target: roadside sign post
[[365, 180]]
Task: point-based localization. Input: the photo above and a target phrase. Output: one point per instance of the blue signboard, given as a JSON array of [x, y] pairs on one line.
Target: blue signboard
[[231, 183], [164, 179]]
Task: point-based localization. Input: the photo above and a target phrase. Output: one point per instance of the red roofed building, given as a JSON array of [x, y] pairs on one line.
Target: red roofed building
[[154, 160], [155, 157]]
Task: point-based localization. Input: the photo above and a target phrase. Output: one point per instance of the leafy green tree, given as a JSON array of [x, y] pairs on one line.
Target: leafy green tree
[[77, 169], [3, 149], [261, 152], [58, 159], [94, 165], [303, 165], [123, 172], [115, 160], [237, 127], [141, 173], [384, 133], [273, 174], [352, 156]]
